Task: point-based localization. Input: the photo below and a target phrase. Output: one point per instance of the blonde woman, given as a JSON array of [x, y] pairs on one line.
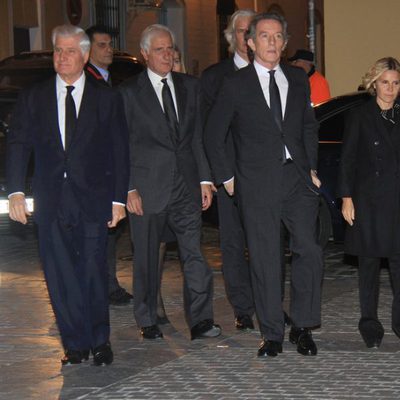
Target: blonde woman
[[369, 185]]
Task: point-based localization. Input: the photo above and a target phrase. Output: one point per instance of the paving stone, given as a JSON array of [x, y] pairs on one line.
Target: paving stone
[[176, 367]]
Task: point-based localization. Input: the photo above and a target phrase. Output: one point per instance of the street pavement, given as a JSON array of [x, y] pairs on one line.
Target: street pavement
[[175, 367]]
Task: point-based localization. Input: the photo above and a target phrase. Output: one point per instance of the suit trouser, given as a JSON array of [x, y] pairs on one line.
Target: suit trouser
[[235, 267], [298, 209], [74, 262], [113, 235], [368, 284], [183, 216]]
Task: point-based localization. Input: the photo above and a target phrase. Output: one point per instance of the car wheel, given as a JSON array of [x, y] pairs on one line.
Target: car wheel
[[324, 224]]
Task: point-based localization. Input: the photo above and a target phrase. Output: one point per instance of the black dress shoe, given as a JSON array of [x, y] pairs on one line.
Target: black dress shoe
[[74, 357], [205, 329], [244, 322], [303, 338], [103, 355], [151, 332], [287, 319], [269, 348], [371, 331], [120, 297]]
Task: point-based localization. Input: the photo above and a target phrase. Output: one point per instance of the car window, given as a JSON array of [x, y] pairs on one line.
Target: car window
[[331, 129], [20, 78], [123, 69]]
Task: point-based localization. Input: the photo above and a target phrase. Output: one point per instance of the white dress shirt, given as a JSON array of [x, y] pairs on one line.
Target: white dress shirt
[[158, 85], [239, 61], [77, 93], [283, 85]]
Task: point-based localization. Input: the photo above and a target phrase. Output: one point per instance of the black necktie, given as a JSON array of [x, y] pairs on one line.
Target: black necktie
[[275, 105], [70, 116], [169, 110], [275, 100]]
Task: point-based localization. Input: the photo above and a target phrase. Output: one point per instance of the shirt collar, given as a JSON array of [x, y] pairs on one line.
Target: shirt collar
[[261, 70], [239, 61], [78, 84], [104, 72], [156, 79]]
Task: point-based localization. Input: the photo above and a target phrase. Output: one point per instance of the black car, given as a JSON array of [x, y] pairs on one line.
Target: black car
[[331, 115], [29, 67], [24, 69]]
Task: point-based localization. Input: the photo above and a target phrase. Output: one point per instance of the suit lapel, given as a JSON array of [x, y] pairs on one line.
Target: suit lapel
[[148, 97], [87, 108], [290, 94], [181, 96], [50, 96]]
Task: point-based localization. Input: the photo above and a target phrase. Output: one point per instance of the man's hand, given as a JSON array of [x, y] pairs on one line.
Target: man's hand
[[118, 213], [206, 195], [18, 209], [315, 179], [134, 203], [230, 187], [348, 211]]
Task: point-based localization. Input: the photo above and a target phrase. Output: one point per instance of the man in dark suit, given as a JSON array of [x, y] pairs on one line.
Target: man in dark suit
[[100, 58], [170, 183], [267, 107], [78, 134], [232, 239]]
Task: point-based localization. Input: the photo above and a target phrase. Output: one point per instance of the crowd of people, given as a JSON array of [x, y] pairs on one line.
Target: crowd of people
[[161, 144]]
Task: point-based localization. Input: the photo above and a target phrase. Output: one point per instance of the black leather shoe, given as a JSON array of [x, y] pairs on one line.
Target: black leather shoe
[[371, 331], [244, 322], [269, 348], [287, 319], [151, 332], [303, 338], [74, 357], [103, 355], [120, 297], [205, 329]]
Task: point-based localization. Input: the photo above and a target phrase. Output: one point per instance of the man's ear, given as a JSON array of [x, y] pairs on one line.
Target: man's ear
[[144, 54], [284, 45], [251, 44]]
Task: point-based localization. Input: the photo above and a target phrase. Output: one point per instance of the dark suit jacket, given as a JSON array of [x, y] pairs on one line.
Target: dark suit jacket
[[96, 162], [241, 106], [154, 157], [211, 81], [369, 173]]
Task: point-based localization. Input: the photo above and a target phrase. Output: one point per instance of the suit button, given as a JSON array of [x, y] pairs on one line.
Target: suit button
[[377, 173], [376, 143]]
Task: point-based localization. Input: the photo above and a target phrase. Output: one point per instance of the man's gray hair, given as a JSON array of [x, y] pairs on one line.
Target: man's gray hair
[[71, 30], [152, 30], [229, 32], [251, 33]]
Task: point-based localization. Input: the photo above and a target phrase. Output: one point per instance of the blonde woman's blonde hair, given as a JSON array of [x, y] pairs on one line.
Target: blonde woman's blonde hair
[[373, 74]]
